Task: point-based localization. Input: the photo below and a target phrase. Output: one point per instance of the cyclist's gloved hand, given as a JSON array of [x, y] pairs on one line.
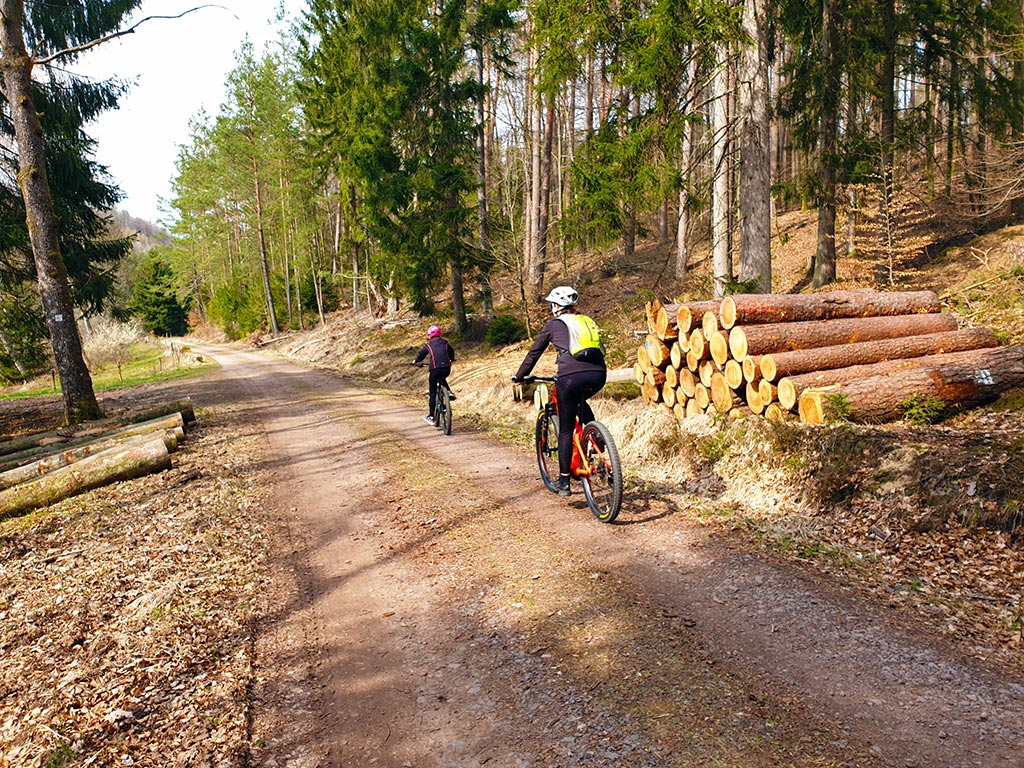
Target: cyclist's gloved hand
[[517, 380]]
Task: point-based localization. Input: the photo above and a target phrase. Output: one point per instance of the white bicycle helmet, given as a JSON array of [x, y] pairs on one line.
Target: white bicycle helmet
[[563, 296]]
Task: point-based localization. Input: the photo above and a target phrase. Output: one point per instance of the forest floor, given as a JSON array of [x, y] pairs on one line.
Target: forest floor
[[322, 579]]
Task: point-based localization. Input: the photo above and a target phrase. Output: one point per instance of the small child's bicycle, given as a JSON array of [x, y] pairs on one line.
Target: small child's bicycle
[[443, 405], [595, 458]]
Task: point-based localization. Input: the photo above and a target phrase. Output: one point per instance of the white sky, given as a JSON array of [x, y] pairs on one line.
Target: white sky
[[179, 67]]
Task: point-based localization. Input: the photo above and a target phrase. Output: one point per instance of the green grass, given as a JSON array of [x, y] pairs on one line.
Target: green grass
[[148, 365]]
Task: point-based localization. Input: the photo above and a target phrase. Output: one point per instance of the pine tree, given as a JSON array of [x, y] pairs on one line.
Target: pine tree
[[55, 34]]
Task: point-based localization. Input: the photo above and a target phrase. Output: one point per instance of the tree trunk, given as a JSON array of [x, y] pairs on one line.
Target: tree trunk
[[755, 180], [749, 309], [683, 225], [780, 337], [960, 380], [720, 200], [264, 257], [828, 134], [799, 361], [112, 465], [54, 290]]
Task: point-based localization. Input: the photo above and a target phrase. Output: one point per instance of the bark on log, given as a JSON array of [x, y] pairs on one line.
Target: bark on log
[[109, 466], [688, 315], [54, 461], [791, 387], [655, 376], [650, 311], [781, 337], [753, 309], [174, 422], [799, 361], [968, 380]]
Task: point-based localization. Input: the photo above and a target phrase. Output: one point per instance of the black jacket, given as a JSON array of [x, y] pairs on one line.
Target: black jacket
[[440, 351], [555, 333]]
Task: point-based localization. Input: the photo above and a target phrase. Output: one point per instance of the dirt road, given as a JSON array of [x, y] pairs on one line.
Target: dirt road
[[439, 608]]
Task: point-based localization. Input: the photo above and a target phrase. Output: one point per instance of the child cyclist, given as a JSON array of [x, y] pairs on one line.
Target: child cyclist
[[441, 357], [581, 370]]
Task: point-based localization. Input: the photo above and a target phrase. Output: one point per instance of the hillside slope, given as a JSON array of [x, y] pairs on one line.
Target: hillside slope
[[924, 516]]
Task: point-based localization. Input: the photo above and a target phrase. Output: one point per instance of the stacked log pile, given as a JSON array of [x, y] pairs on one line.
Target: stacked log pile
[[779, 355], [44, 468]]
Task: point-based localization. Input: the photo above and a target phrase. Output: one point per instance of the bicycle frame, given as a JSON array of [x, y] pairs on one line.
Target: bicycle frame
[[580, 466], [594, 460]]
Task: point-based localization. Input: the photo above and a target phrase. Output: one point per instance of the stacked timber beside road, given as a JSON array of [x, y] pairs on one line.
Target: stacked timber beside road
[[865, 354], [43, 468]]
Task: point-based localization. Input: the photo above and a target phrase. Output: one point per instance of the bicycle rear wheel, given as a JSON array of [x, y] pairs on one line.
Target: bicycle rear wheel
[[444, 410], [603, 487], [547, 448]]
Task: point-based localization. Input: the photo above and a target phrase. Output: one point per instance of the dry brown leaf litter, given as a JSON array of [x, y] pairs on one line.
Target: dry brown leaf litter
[[127, 615]]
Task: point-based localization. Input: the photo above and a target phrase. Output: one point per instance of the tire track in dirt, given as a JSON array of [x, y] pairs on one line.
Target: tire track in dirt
[[413, 551]]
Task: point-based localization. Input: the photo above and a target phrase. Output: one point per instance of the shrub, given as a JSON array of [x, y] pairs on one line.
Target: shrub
[[108, 342], [504, 330], [921, 410]]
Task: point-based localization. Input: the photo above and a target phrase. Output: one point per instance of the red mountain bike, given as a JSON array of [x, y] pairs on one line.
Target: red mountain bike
[[595, 458]]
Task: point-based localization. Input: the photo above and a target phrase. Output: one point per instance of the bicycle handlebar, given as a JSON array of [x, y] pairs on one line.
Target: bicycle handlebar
[[532, 379]]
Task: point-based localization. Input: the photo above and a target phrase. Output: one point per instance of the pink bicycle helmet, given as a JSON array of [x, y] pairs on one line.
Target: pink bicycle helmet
[[432, 331]]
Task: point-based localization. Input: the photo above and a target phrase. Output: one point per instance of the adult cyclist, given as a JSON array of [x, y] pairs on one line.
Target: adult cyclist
[[581, 370]]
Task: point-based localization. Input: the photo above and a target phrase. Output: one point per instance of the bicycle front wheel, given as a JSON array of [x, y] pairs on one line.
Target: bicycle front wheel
[[547, 448], [444, 410], [603, 486]]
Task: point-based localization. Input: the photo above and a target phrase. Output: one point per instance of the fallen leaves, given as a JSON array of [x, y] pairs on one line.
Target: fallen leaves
[[127, 616]]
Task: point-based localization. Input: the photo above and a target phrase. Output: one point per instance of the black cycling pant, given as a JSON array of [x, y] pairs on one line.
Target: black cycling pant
[[437, 376], [573, 389]]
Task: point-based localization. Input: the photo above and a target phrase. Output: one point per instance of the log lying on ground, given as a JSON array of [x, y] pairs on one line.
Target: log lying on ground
[[112, 465], [791, 387], [974, 378], [797, 361], [781, 337], [689, 316], [62, 458], [173, 422], [91, 429], [795, 307]]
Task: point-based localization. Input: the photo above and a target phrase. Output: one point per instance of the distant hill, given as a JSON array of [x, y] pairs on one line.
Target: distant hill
[[147, 233]]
